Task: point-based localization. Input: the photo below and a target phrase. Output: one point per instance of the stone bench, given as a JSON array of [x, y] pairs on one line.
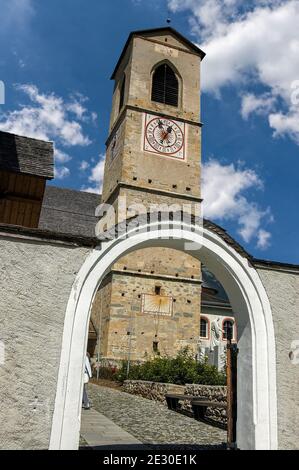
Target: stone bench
[[199, 408], [172, 400]]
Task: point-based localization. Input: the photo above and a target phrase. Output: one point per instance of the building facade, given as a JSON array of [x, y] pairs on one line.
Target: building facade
[[47, 243], [150, 302], [217, 319]]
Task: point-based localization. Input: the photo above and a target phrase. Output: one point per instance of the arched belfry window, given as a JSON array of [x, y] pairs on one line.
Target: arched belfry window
[[165, 86], [122, 93]]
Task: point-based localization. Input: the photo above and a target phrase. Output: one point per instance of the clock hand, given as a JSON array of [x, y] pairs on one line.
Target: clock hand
[[163, 136]]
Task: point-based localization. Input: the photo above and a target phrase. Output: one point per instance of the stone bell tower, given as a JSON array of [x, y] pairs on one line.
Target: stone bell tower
[[150, 302], [153, 148]]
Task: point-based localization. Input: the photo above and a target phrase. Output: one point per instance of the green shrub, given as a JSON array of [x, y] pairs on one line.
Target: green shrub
[[108, 373], [180, 370]]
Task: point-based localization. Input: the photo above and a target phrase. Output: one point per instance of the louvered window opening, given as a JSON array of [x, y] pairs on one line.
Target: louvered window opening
[[165, 87]]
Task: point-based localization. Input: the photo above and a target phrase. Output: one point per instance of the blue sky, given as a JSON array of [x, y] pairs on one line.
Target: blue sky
[[56, 68]]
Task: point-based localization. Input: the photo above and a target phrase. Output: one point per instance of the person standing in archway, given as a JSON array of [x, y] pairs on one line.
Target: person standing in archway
[[87, 376]]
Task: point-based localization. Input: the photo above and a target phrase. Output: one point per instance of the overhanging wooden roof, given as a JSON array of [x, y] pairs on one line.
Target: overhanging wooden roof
[[26, 155]]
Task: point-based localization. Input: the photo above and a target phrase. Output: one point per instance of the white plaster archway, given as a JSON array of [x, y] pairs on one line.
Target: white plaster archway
[[257, 407]]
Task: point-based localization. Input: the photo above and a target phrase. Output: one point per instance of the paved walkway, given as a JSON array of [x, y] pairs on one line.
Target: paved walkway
[[99, 431], [145, 421]]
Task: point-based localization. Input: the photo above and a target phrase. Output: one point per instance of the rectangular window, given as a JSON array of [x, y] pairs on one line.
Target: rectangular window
[[203, 328], [228, 330]]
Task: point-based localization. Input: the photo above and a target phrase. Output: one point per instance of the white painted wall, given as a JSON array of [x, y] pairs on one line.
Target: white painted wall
[[282, 287], [257, 407], [36, 278]]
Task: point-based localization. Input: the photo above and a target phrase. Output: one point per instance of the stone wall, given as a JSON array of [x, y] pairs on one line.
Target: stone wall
[[211, 393], [100, 315], [156, 391], [36, 278], [151, 390], [162, 262]]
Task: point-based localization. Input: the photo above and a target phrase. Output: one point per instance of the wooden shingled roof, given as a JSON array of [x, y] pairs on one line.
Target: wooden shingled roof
[[26, 155], [69, 211]]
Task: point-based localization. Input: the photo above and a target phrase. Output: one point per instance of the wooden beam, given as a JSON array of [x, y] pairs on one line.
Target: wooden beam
[[20, 198]]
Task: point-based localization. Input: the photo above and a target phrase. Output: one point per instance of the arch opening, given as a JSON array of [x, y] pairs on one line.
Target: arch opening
[[257, 412]]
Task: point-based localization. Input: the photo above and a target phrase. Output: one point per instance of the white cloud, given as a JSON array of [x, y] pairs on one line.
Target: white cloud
[[77, 108], [46, 118], [264, 238], [261, 104], [61, 157], [94, 117], [96, 177], [15, 14], [224, 193], [91, 189], [286, 124], [22, 63], [211, 15], [61, 172], [84, 165], [263, 44], [49, 117], [250, 43]]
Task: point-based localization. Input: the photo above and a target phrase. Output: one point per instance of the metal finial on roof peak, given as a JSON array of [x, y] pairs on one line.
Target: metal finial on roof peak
[[168, 20]]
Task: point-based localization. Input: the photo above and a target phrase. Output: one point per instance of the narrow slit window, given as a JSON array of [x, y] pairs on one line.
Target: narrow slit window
[[122, 93], [165, 87], [158, 290]]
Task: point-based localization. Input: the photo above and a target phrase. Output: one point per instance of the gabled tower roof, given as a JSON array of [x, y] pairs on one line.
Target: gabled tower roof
[[147, 32]]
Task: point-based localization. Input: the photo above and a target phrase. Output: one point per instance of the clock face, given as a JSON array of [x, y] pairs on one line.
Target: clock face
[[164, 137]]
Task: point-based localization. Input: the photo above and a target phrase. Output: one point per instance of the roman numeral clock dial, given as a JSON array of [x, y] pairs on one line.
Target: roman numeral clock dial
[[164, 137]]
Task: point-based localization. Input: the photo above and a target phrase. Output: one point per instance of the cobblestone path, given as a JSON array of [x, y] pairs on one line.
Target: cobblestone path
[[152, 423]]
